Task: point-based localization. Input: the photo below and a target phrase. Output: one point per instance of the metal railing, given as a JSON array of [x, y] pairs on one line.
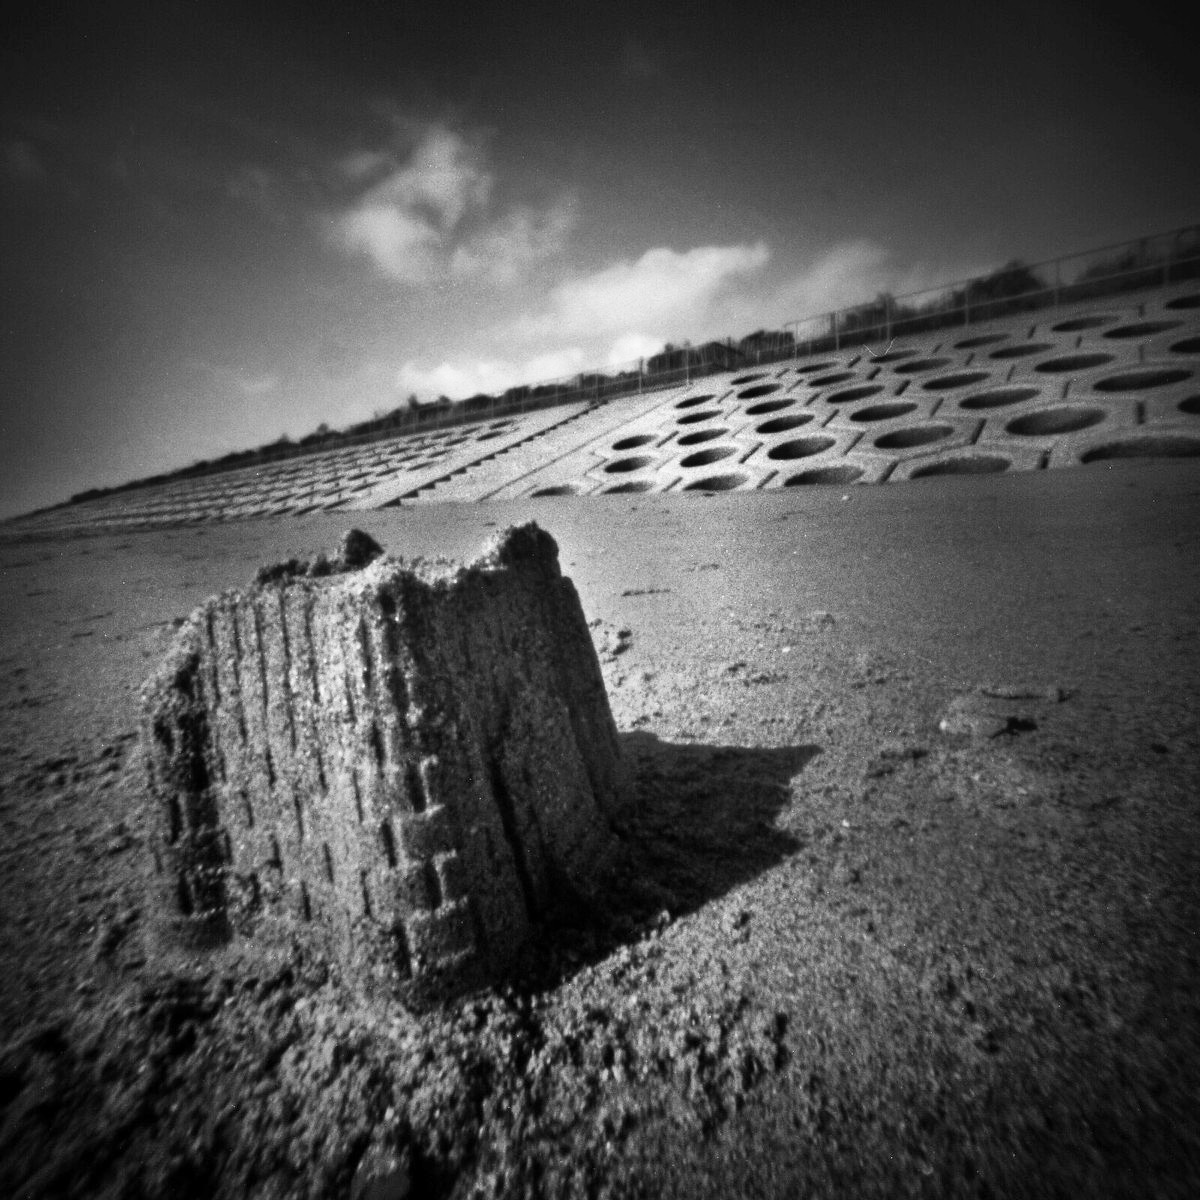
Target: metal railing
[[1128, 266]]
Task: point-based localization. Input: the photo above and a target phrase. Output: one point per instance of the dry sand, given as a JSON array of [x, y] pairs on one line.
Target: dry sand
[[910, 902]]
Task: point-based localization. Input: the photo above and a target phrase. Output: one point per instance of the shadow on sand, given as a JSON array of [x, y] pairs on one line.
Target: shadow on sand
[[699, 821], [702, 818]]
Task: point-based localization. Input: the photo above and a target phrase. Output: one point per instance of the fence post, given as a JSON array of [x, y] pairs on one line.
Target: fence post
[[833, 317]]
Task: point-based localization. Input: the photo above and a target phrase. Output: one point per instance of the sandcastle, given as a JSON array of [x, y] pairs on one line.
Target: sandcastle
[[406, 763]]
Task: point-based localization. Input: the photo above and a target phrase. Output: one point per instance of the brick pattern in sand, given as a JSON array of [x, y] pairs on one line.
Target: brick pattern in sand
[[407, 764]]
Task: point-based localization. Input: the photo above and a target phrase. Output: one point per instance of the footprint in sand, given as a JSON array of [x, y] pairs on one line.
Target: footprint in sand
[[999, 710]]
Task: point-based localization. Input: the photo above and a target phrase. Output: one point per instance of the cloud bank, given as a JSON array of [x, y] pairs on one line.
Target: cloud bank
[[468, 377], [663, 292], [625, 311]]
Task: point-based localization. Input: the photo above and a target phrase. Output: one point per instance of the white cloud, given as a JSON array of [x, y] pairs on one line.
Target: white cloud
[[504, 250], [446, 175], [665, 291], [403, 221], [460, 378], [630, 346], [851, 273], [401, 244], [469, 377], [427, 217]]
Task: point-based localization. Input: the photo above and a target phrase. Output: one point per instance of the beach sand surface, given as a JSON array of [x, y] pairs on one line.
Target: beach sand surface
[[910, 900]]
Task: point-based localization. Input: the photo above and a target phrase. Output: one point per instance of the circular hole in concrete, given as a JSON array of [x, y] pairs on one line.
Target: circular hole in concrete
[[632, 443], [1165, 445], [1187, 346], [999, 397], [980, 339], [748, 378], [559, 489], [921, 364], [827, 380], [883, 412], [704, 458], [1142, 329], [801, 447], [1073, 362], [967, 464], [808, 370], [1190, 301], [1021, 350], [944, 383], [622, 465], [697, 417], [718, 483], [914, 435], [841, 473], [1191, 406], [1049, 421], [854, 393], [1089, 322], [783, 424], [768, 406], [632, 485], [484, 437], [893, 355], [762, 389], [692, 401], [702, 435], [1136, 381]]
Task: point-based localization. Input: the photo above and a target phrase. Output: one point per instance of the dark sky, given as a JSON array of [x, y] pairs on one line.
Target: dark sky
[[223, 223]]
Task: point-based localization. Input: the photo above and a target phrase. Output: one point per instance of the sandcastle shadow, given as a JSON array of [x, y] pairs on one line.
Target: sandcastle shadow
[[699, 820]]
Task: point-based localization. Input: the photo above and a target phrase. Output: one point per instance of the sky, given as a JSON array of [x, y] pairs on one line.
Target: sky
[[223, 223]]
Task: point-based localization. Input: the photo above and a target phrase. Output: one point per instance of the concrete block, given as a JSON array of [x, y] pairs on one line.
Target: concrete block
[[879, 413], [1106, 447], [900, 438], [407, 765], [979, 459], [1041, 426], [1179, 405], [834, 470]]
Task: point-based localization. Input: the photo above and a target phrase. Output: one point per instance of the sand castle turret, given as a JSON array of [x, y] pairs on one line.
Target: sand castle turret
[[407, 763]]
